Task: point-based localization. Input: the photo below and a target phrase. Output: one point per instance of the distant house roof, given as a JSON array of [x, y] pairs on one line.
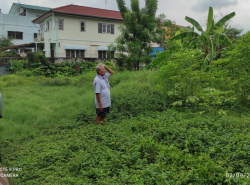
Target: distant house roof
[[83, 11], [33, 7], [30, 7]]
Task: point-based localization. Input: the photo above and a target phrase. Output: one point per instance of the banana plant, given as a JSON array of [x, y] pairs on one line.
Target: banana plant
[[210, 38], [174, 46]]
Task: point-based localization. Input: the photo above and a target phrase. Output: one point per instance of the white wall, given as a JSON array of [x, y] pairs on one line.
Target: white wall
[[71, 35], [34, 13], [10, 22]]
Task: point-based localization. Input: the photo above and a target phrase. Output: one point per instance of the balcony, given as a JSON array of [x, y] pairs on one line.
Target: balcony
[[40, 37]]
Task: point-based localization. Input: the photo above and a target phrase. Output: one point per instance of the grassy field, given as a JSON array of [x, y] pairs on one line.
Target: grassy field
[[49, 132]]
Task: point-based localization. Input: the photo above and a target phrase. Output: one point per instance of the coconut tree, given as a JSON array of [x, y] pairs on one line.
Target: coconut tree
[[210, 38]]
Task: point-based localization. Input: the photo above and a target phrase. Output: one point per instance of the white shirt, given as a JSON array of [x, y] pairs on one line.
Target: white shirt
[[101, 85]]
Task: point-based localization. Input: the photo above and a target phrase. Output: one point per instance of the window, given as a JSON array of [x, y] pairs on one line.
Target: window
[[35, 36], [82, 26], [15, 35], [49, 25], [102, 54], [74, 53], [105, 28], [22, 12], [61, 24]]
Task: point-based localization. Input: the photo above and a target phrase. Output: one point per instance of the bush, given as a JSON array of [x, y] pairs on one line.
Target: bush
[[131, 98], [19, 65]]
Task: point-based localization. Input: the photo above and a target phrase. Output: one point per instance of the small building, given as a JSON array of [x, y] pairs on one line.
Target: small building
[[17, 24], [74, 31]]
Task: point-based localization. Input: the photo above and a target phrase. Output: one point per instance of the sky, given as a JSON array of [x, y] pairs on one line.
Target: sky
[[174, 10]]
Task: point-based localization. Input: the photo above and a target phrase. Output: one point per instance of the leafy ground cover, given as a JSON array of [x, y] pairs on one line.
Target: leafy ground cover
[[48, 131]]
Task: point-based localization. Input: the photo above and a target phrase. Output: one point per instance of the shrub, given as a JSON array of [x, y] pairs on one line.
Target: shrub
[[19, 65], [131, 98]]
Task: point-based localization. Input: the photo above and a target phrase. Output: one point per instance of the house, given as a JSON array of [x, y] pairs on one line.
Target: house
[[75, 31], [17, 24]]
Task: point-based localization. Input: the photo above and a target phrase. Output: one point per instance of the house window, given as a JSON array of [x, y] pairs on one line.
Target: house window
[[35, 36], [23, 13], [102, 54], [75, 53], [49, 25], [105, 28], [61, 24], [82, 25], [15, 35]]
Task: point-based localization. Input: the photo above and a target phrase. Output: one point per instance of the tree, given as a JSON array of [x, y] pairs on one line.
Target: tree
[[232, 33], [137, 33], [5, 42], [210, 38]]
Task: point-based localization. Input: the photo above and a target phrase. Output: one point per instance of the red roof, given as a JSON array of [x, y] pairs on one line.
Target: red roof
[[89, 11]]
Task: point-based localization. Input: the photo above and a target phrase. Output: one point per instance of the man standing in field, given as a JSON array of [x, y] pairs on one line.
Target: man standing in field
[[102, 92]]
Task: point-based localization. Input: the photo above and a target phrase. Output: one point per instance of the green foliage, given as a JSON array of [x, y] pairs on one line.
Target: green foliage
[[234, 66], [137, 33], [212, 38], [166, 148], [19, 65], [143, 100], [37, 64], [11, 53], [232, 33], [5, 42], [149, 143]]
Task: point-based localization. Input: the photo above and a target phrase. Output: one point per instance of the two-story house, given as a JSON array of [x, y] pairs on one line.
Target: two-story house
[[74, 31], [17, 24]]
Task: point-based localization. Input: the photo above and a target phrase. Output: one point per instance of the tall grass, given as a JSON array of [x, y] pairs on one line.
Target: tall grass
[[33, 104], [27, 110]]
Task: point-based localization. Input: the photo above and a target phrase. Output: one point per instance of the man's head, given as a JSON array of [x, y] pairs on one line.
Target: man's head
[[100, 69]]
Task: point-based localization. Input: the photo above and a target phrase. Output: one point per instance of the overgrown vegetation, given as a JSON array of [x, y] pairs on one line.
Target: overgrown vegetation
[[38, 65], [145, 140], [184, 121]]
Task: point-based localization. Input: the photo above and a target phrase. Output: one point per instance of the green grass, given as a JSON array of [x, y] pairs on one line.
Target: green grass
[[48, 130], [28, 109]]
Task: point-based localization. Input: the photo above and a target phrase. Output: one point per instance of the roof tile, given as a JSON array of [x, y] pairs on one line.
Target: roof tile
[[83, 10]]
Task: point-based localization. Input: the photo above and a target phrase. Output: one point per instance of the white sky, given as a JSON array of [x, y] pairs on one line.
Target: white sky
[[174, 10]]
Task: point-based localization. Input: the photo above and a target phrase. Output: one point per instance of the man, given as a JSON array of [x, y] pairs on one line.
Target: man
[[102, 92]]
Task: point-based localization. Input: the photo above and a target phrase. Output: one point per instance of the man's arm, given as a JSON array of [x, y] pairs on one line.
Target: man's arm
[[109, 70], [98, 97]]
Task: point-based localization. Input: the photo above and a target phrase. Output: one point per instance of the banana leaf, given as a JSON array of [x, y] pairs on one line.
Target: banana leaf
[[163, 56], [178, 41], [210, 20], [193, 43], [185, 35], [225, 39], [194, 23], [170, 43], [219, 30], [223, 21]]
